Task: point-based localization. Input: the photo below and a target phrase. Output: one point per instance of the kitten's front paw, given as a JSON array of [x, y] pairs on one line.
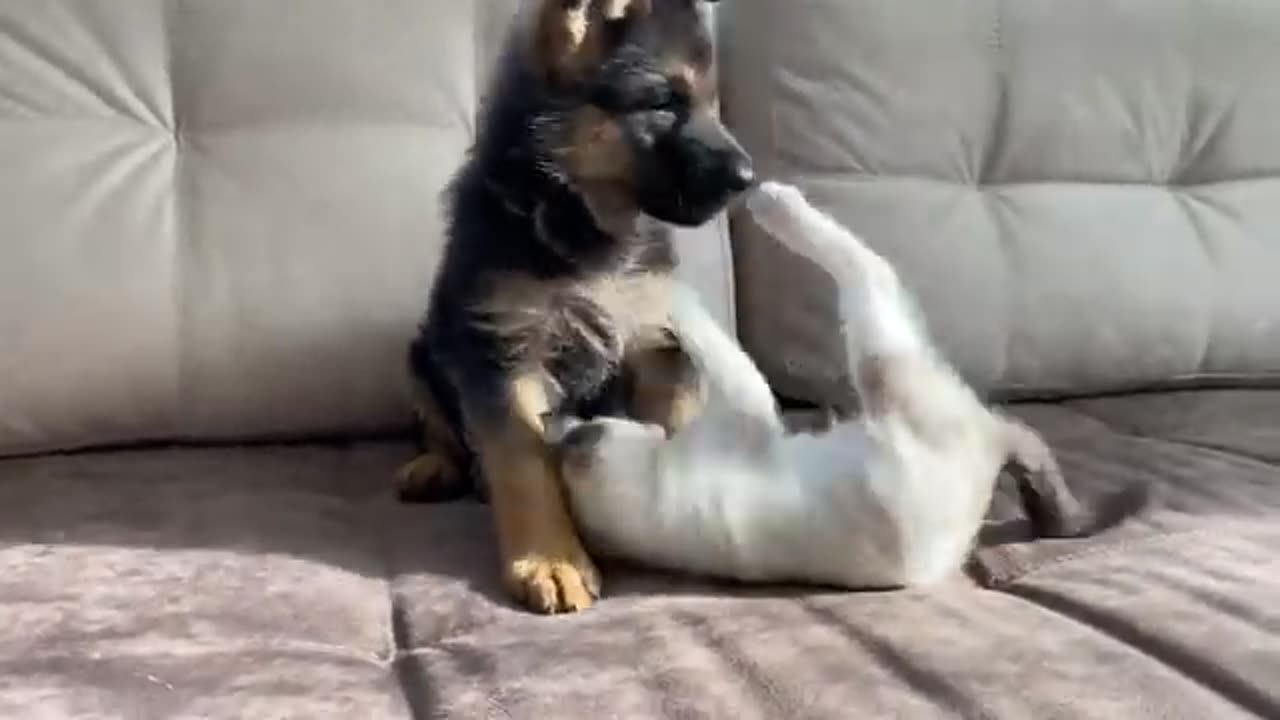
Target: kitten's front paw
[[776, 208], [774, 204]]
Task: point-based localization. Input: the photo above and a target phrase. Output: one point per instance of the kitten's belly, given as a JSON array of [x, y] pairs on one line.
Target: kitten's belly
[[750, 522], [810, 516]]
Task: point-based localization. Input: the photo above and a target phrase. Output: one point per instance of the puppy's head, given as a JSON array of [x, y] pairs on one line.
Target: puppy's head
[[631, 122]]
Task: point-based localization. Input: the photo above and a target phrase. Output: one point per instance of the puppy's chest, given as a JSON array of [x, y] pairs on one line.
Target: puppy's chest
[[606, 315], [579, 331]]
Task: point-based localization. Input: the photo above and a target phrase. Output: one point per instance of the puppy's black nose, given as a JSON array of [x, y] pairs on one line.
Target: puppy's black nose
[[740, 175]]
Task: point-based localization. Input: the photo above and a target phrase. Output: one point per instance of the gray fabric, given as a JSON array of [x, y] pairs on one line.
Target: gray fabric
[[1085, 195], [220, 219], [286, 582]]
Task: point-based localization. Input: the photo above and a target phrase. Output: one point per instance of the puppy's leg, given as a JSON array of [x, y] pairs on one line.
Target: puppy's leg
[[438, 473], [1053, 509], [545, 565]]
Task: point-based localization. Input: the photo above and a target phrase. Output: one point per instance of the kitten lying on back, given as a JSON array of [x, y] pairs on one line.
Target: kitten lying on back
[[893, 498]]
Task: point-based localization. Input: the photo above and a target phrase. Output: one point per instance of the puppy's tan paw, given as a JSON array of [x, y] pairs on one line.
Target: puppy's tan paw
[[552, 585], [431, 477]]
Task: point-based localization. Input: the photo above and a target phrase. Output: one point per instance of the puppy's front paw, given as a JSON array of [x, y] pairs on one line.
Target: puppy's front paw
[[432, 477], [562, 581]]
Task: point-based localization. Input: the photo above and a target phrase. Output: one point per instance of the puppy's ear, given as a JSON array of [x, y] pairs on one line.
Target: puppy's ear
[[571, 34]]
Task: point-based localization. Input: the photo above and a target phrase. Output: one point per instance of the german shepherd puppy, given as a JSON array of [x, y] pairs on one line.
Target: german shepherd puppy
[[552, 297]]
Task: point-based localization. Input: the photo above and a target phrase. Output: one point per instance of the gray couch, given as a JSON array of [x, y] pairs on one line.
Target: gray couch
[[218, 223]]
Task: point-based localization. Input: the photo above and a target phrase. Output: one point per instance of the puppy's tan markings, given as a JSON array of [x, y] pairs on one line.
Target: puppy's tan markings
[[530, 314], [423, 474], [664, 387], [597, 149], [436, 470], [544, 563], [617, 9], [568, 35], [560, 32], [693, 80]]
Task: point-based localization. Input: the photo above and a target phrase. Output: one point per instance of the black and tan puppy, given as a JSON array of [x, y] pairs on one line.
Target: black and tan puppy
[[552, 295]]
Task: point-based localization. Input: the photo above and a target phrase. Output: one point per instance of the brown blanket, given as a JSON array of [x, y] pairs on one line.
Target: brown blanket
[[285, 582]]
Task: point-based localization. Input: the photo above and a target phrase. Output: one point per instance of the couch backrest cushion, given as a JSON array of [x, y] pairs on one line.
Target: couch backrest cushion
[[221, 219], [1085, 195]]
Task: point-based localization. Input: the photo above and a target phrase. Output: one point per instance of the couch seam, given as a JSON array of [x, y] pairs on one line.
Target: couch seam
[[1013, 393], [1000, 121], [396, 634], [345, 652], [181, 239], [1006, 246], [1266, 175], [1096, 551], [992, 201], [1215, 449], [1134, 435], [1183, 201]]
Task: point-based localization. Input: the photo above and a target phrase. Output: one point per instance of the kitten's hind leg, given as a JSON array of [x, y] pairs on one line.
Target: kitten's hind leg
[[1050, 505]]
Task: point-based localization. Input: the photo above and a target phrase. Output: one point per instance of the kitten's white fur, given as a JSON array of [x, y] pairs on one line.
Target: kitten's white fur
[[893, 498]]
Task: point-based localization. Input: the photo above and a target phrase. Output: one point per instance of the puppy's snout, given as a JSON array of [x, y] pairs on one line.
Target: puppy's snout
[[732, 168], [727, 164], [739, 173]]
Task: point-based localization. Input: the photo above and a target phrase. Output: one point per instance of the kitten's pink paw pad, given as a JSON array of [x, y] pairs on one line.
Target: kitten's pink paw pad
[[775, 200], [777, 208]]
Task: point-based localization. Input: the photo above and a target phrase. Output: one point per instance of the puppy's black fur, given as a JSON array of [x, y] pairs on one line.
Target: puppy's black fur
[[600, 115]]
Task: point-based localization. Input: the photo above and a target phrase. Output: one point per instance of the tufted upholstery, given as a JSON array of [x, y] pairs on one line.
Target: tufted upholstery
[[1086, 195], [220, 219]]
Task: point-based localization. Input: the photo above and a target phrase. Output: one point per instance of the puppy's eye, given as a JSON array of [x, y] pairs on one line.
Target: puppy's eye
[[660, 97], [634, 92], [665, 98]]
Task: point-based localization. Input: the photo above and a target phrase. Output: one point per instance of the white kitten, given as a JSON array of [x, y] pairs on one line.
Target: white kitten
[[894, 498]]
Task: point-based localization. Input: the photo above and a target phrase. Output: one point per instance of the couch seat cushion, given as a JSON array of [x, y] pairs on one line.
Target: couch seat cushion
[[286, 582]]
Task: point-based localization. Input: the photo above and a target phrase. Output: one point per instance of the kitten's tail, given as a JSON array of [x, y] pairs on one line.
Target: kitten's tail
[[737, 391]]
